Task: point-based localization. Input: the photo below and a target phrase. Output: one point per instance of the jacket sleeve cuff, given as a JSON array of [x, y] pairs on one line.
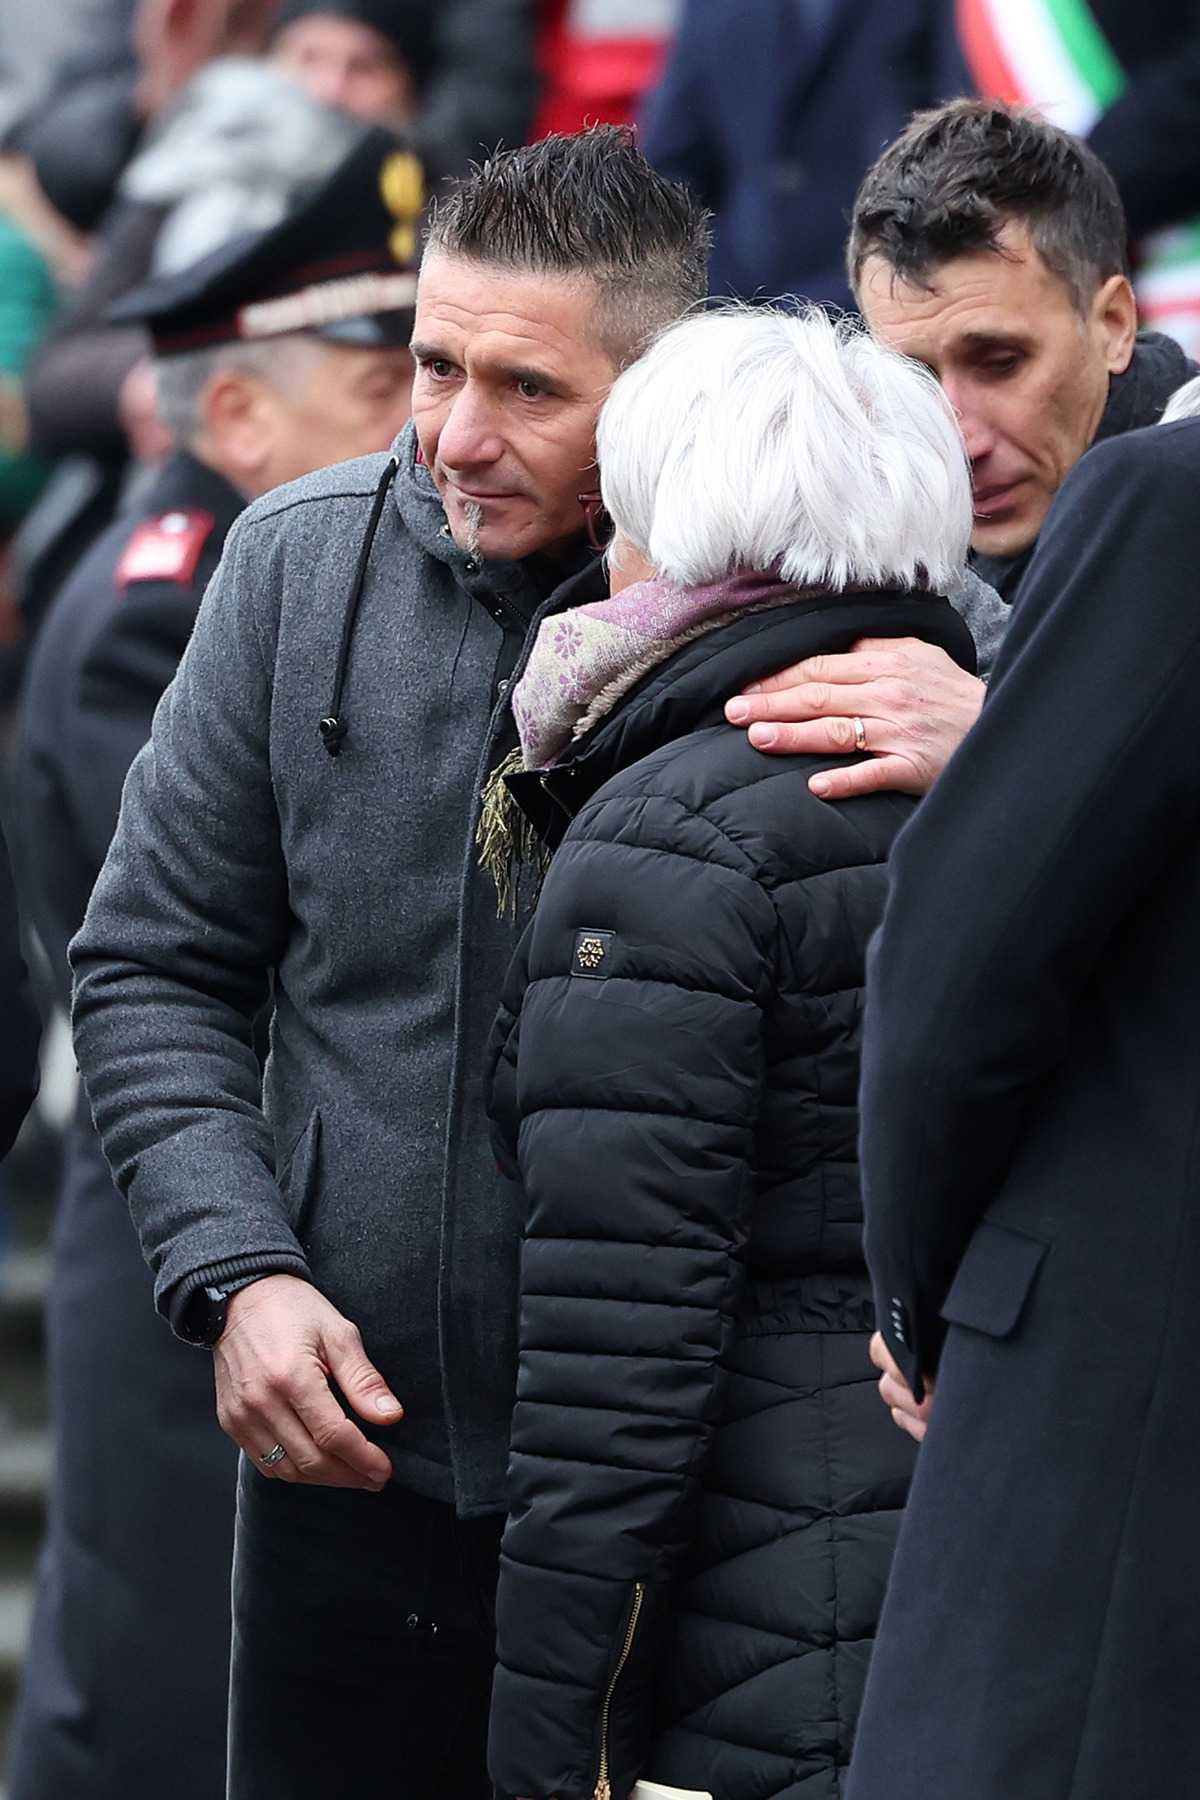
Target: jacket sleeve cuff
[[174, 1304]]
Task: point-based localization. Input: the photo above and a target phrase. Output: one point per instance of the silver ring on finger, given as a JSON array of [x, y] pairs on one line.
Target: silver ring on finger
[[860, 733], [271, 1457]]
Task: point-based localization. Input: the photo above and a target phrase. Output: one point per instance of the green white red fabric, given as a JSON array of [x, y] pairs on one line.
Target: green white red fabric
[[1053, 55]]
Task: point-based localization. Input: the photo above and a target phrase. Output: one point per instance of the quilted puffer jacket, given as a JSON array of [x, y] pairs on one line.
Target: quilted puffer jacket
[[704, 1485]]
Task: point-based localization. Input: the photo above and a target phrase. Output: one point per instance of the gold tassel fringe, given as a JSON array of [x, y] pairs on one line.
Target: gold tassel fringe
[[508, 844]]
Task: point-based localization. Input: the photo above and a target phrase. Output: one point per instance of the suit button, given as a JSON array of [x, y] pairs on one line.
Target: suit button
[[899, 1320]]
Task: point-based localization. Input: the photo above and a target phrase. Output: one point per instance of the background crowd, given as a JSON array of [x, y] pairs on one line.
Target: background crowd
[[140, 142]]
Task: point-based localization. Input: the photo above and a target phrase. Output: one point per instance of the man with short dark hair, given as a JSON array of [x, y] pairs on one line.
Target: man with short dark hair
[[302, 822], [990, 246]]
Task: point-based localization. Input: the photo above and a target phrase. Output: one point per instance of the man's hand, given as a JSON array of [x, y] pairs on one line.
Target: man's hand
[[897, 1395], [280, 1349], [914, 703]]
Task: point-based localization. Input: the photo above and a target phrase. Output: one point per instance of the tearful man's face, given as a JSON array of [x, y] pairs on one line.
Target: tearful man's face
[[508, 386], [1025, 371]]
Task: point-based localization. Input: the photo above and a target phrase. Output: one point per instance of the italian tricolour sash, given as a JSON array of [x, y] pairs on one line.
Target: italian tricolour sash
[[1053, 55]]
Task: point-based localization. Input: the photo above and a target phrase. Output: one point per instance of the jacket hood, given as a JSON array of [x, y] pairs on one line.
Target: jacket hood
[[511, 591], [688, 691]]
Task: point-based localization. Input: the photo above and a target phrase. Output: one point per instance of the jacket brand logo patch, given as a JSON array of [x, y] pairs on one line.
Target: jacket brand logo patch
[[591, 953]]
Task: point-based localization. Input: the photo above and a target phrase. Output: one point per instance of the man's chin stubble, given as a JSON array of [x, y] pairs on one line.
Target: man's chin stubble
[[473, 513]]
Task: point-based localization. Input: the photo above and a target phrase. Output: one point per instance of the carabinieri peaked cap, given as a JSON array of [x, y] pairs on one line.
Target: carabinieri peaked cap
[[342, 264]]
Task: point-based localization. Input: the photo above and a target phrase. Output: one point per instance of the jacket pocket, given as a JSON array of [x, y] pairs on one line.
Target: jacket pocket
[[994, 1280], [298, 1174]]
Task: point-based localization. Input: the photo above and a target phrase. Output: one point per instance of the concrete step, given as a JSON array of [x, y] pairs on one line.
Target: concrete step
[[16, 1607], [24, 1278], [25, 1465]]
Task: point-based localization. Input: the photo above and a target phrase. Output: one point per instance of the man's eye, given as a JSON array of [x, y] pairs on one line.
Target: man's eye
[[1002, 365], [529, 390], [438, 367]]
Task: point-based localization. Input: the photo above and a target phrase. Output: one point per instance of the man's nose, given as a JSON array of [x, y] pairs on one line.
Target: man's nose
[[979, 434], [469, 435]]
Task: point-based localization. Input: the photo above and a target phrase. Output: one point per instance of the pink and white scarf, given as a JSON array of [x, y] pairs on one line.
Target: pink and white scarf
[[585, 659]]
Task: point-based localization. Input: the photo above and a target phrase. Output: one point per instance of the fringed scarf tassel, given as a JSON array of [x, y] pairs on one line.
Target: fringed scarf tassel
[[509, 847]]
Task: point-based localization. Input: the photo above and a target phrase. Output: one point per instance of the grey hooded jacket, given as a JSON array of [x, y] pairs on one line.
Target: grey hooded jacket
[[247, 859], [250, 863]]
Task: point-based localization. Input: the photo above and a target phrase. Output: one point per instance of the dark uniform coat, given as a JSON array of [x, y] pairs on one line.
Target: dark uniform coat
[[1031, 1160], [125, 1688], [704, 1490], [19, 1027]]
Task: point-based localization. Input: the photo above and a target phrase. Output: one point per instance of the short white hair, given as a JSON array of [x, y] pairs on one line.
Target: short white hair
[[285, 362], [752, 438], [1184, 402]]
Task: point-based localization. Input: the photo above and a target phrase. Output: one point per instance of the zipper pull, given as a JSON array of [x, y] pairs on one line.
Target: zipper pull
[[603, 1789]]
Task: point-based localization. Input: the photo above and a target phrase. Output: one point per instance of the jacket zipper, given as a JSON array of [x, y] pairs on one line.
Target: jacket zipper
[[603, 1790]]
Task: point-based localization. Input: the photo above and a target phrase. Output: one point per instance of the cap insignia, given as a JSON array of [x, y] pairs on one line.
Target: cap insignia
[[402, 185]]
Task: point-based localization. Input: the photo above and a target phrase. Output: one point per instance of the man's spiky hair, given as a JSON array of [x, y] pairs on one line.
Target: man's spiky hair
[[953, 180], [586, 207]]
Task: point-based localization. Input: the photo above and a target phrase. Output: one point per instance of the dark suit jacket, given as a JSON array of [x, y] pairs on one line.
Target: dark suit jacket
[[772, 112], [1031, 1164]]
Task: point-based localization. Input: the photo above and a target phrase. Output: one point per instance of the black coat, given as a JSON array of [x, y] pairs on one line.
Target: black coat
[[125, 1688], [1031, 1099], [699, 1461]]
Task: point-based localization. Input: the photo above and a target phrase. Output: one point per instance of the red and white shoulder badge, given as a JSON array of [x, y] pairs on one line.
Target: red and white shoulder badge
[[166, 547]]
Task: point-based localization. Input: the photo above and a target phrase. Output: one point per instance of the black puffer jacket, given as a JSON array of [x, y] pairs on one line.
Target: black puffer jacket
[[704, 1487]]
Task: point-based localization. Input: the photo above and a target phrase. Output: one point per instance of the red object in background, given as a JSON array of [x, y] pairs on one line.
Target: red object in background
[[598, 58]]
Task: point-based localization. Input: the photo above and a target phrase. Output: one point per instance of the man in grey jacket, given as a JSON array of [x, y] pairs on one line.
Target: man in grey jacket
[[301, 829]]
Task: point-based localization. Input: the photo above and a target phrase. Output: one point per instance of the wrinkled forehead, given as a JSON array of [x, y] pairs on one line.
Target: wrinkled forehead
[[1007, 292], [484, 313]]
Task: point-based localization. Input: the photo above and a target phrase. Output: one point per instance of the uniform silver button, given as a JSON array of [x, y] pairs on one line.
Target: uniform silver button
[[502, 687]]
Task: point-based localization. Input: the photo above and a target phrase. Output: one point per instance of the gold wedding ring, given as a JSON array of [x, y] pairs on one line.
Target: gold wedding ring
[[860, 733]]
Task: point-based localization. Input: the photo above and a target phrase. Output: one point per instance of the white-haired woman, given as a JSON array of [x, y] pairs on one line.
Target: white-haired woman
[[704, 1485]]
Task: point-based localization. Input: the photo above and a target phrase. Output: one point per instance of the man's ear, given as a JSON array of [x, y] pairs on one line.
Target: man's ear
[[1114, 320], [237, 408]]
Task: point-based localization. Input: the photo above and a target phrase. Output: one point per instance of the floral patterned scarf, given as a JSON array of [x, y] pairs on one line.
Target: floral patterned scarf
[[585, 659]]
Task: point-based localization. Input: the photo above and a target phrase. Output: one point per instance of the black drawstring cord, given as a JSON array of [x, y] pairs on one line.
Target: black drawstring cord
[[333, 729]]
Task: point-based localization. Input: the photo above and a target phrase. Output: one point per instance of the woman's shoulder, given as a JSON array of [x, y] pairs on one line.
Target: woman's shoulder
[[712, 796]]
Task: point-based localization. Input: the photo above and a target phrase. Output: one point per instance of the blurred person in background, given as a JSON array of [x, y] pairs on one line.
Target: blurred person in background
[[235, 138], [702, 1507], [68, 81], [598, 59], [773, 110], [78, 403], [126, 1687]]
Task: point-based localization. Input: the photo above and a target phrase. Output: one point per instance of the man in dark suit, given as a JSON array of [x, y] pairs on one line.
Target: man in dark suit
[[1031, 1099], [265, 373]]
